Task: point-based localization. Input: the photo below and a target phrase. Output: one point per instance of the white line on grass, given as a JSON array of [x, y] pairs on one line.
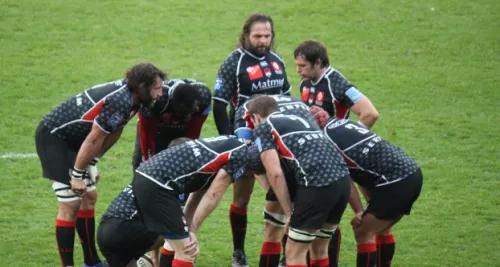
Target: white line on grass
[[18, 155]]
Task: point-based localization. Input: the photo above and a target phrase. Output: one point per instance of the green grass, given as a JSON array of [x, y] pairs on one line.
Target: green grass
[[430, 68]]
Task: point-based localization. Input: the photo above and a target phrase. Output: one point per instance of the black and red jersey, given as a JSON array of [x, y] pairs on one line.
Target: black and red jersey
[[332, 92], [372, 160], [315, 161], [109, 105], [193, 165], [244, 74]]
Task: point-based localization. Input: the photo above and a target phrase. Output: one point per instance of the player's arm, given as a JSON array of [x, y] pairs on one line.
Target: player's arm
[[270, 160], [211, 199], [191, 204], [110, 140], [354, 200], [366, 112], [225, 85]]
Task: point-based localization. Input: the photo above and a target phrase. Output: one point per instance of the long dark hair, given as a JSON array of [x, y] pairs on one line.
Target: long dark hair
[[247, 27]]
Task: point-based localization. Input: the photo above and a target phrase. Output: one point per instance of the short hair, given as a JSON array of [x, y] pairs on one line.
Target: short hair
[[262, 105], [312, 51], [178, 141], [144, 74], [184, 99], [247, 27]]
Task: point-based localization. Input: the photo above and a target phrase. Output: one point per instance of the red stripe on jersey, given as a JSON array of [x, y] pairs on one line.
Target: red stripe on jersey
[[341, 111], [92, 113], [282, 149], [217, 163], [350, 163], [248, 121]]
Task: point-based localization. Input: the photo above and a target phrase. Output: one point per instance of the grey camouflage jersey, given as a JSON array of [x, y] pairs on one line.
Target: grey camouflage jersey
[[123, 206], [315, 161], [193, 165], [372, 160]]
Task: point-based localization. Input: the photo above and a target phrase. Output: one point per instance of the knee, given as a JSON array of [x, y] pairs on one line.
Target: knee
[[89, 199], [68, 210]]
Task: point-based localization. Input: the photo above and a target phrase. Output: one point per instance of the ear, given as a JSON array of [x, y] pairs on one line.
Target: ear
[[317, 63]]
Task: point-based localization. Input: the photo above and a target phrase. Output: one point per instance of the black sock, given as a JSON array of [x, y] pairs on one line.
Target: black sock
[[334, 248], [65, 237], [238, 218], [85, 226], [367, 255], [166, 258], [270, 254], [386, 246]]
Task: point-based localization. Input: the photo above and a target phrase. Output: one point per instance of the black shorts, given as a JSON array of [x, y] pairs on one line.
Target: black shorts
[[314, 206], [160, 208], [291, 183], [394, 200], [122, 241], [56, 156]]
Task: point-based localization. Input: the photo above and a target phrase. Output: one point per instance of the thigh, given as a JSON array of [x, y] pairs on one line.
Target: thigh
[[311, 207], [55, 155], [342, 193]]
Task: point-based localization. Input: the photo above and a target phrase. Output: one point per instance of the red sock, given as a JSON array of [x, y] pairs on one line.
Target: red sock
[[386, 246], [65, 238], [270, 254], [322, 263], [166, 258], [181, 263], [367, 255], [238, 219], [312, 263]]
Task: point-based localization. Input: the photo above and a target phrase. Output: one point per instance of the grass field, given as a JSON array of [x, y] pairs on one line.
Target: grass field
[[430, 67]]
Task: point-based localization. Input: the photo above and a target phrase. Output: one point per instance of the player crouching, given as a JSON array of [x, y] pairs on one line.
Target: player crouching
[[391, 178]]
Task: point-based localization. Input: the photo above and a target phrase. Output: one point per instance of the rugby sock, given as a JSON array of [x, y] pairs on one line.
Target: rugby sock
[[166, 258], [320, 263], [65, 237], [85, 226], [270, 254], [238, 219], [181, 263], [334, 248], [386, 246], [367, 255]]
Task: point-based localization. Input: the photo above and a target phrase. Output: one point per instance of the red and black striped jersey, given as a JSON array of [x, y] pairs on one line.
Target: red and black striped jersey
[[193, 165], [315, 161], [372, 160], [109, 105]]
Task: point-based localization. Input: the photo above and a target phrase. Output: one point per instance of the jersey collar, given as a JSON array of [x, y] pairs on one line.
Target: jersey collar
[[322, 75], [252, 55]]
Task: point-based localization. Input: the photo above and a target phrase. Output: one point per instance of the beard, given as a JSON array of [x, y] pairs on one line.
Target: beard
[[146, 99], [258, 50]]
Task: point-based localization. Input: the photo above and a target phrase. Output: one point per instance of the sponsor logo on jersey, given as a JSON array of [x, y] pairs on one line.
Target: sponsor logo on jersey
[[305, 94], [115, 120], [270, 83], [255, 72], [263, 64], [268, 73], [276, 67], [219, 84], [320, 96]]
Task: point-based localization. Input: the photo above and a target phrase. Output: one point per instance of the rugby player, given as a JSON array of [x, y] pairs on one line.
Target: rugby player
[[71, 138], [322, 184], [252, 68], [393, 181]]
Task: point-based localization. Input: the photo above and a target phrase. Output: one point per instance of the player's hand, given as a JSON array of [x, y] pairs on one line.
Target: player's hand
[[192, 249], [78, 185], [357, 220], [92, 171]]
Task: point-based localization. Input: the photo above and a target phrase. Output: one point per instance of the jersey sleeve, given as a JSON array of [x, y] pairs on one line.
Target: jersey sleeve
[[225, 83], [114, 113], [236, 165], [343, 91], [205, 102], [264, 139]]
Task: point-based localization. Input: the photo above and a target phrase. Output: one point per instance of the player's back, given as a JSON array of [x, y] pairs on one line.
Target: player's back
[[190, 166], [287, 105], [72, 119], [371, 159], [123, 206], [316, 161]]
